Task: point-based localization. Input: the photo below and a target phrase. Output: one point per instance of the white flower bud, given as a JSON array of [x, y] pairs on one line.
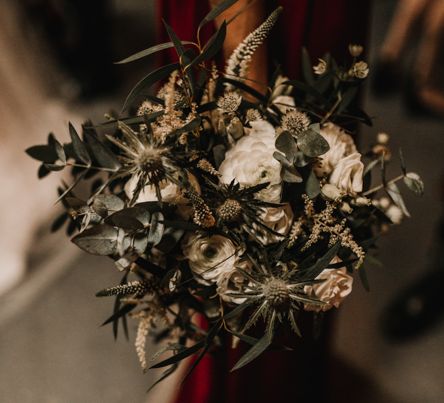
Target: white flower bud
[[383, 138]]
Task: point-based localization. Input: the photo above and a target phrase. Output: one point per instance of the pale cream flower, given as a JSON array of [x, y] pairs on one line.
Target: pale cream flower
[[336, 286], [331, 192], [347, 174], [395, 214], [251, 162], [355, 50], [320, 68], [210, 258], [229, 102], [359, 70], [341, 145]]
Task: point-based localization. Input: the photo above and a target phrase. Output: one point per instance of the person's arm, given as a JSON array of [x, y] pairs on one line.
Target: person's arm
[[252, 15]]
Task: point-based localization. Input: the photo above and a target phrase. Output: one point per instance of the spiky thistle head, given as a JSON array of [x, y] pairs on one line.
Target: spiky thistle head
[[144, 159], [239, 61]]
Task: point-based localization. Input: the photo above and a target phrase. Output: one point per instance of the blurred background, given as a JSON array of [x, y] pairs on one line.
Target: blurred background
[[56, 65]]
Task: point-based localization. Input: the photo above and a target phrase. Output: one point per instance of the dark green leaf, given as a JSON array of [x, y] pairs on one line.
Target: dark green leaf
[[58, 148], [313, 271], [127, 308], [58, 222], [363, 277], [150, 51], [124, 221], [42, 153], [307, 68], [254, 351], [43, 171], [212, 47], [148, 81], [164, 375], [216, 11], [98, 240], [79, 148], [176, 41], [104, 157], [54, 167], [181, 355]]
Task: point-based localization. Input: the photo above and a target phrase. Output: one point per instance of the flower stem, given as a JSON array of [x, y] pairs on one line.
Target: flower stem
[[382, 186]]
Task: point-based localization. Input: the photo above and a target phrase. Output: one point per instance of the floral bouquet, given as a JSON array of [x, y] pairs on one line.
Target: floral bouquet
[[220, 202]]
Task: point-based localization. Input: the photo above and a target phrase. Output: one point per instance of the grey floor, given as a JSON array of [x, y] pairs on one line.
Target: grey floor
[[53, 350]]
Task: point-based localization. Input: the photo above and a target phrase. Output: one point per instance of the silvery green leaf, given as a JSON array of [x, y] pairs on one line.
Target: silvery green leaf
[[98, 240], [156, 228], [414, 183], [287, 144], [291, 175], [111, 202], [281, 158], [312, 185], [393, 191], [312, 144]]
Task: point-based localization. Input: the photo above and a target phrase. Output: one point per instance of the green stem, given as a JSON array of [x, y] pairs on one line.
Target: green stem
[[382, 186]]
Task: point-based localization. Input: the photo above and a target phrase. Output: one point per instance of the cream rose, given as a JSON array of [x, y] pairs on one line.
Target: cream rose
[[341, 145], [336, 286], [250, 162], [169, 191], [279, 219], [210, 258], [347, 174]]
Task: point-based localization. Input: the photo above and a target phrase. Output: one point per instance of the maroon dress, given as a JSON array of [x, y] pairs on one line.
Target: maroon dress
[[300, 375]]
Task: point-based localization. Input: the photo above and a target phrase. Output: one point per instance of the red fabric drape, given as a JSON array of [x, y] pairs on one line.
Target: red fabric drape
[[276, 376]]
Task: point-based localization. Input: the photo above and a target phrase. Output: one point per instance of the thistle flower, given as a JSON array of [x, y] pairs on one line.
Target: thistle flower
[[239, 61], [277, 292], [145, 160], [253, 114], [320, 68], [229, 102], [295, 122]]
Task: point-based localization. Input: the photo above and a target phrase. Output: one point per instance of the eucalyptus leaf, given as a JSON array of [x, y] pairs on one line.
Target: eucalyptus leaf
[[79, 149], [413, 181], [290, 175], [287, 144], [98, 240], [395, 194], [156, 228], [104, 157], [312, 186], [312, 144], [43, 153]]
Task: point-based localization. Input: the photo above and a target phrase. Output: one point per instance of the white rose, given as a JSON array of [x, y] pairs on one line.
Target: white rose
[[279, 219], [341, 145], [210, 258], [347, 174], [336, 286], [250, 162]]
